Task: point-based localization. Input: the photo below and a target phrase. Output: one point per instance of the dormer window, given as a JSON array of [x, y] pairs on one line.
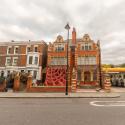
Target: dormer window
[[86, 47], [59, 48]]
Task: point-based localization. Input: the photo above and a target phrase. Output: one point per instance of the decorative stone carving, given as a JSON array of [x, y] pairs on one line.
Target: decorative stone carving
[[86, 38], [59, 38]]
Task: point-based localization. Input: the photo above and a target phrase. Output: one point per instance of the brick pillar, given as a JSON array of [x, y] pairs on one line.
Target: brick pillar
[[73, 81], [4, 83], [3, 86], [16, 86], [29, 82], [107, 83]]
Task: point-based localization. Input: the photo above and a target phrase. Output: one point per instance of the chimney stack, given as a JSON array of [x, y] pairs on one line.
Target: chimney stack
[[74, 36]]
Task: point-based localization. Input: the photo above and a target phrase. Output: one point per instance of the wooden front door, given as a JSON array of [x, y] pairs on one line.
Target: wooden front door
[[87, 76]]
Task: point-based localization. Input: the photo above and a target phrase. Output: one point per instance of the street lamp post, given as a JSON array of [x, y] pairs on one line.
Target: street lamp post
[[100, 71], [67, 27]]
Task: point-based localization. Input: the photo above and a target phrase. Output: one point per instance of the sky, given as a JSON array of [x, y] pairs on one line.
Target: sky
[[103, 20]]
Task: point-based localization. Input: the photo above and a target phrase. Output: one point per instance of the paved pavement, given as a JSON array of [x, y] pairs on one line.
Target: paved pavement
[[82, 93], [118, 89], [59, 95]]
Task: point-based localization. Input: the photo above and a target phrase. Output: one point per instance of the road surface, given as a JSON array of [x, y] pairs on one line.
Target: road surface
[[63, 111]]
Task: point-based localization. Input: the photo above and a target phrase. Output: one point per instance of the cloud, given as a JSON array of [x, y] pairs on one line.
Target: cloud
[[43, 19]]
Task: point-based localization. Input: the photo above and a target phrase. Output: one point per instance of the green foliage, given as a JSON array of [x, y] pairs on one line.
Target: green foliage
[[122, 65], [2, 79], [112, 65], [23, 77], [108, 66]]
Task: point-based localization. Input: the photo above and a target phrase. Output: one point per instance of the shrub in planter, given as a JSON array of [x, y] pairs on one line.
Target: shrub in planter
[[2, 79], [23, 78]]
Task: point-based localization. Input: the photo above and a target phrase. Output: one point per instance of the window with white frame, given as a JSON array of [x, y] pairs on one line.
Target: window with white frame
[[59, 48], [34, 74], [33, 59], [93, 60], [86, 60], [86, 46], [36, 49], [58, 61], [28, 49], [9, 50], [36, 60], [30, 59], [8, 61], [16, 50], [15, 61]]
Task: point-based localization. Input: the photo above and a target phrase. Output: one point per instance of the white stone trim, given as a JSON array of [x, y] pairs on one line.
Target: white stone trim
[[15, 49], [27, 48], [33, 63], [34, 48], [8, 49], [22, 43], [20, 54], [16, 68]]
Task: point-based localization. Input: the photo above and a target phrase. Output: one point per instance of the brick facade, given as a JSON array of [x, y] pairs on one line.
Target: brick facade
[[15, 56], [83, 61], [34, 56]]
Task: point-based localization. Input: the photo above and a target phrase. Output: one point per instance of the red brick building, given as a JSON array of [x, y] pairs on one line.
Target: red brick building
[[87, 61], [23, 56], [83, 62], [56, 65], [34, 56]]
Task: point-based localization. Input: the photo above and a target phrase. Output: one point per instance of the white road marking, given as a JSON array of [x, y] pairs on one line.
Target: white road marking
[[107, 103]]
